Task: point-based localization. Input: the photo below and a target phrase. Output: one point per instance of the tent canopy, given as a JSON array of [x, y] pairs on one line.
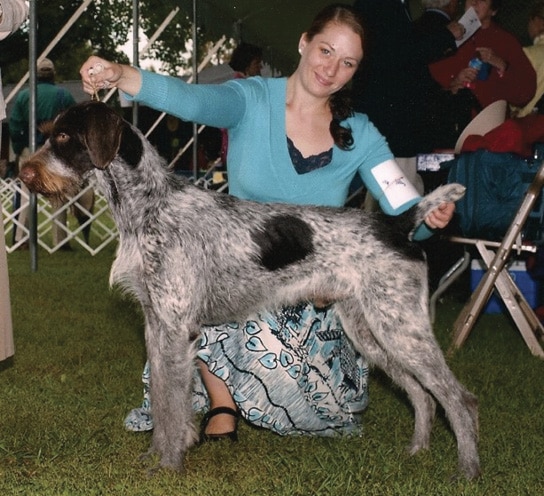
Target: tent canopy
[[275, 25]]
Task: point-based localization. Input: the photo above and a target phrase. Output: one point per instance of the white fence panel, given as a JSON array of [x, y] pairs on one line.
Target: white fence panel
[[85, 219]]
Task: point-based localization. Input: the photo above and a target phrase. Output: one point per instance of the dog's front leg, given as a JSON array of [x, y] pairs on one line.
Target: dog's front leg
[[171, 357]]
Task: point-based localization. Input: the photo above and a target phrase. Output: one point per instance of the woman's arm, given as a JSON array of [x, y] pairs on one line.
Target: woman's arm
[[395, 194], [217, 105], [387, 182], [516, 73], [97, 73]]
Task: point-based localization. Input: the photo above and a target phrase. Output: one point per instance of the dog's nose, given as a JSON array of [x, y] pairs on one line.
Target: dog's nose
[[27, 174]]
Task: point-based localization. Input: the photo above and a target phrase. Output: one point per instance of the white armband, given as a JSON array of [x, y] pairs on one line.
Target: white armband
[[396, 188]]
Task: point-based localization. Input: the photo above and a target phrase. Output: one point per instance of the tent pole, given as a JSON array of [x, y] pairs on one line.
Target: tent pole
[[195, 72], [152, 40], [159, 31], [33, 203], [135, 55]]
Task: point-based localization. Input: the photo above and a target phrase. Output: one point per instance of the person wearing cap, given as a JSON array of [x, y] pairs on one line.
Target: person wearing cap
[[535, 53], [50, 101], [12, 14]]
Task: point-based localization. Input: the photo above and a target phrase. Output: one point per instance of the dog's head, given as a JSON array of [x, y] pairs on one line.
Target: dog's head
[[87, 132], [84, 137]]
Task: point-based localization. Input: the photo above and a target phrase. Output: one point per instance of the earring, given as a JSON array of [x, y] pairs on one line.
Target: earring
[[300, 50]]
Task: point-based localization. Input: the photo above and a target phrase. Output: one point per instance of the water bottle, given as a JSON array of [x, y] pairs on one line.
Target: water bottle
[[481, 67]]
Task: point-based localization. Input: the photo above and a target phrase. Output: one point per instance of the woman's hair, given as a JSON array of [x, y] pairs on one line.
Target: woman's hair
[[434, 4], [340, 102], [537, 10], [496, 4], [243, 55]]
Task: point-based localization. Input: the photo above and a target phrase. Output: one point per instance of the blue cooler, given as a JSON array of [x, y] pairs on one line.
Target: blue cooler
[[518, 271]]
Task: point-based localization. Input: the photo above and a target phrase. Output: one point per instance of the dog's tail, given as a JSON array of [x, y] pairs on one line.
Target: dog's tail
[[443, 194]]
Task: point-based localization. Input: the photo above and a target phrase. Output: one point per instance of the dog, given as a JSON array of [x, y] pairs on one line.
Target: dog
[[194, 257]]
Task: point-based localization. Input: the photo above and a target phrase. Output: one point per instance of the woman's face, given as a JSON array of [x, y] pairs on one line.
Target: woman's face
[[482, 8], [330, 59], [535, 27], [254, 68]]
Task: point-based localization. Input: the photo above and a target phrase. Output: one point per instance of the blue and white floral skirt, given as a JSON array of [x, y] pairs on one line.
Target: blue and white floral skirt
[[293, 372]]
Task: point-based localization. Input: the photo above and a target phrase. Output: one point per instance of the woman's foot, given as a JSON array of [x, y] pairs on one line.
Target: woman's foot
[[219, 423], [222, 419]]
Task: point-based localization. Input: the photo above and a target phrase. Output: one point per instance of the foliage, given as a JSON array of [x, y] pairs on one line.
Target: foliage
[[101, 29], [171, 45]]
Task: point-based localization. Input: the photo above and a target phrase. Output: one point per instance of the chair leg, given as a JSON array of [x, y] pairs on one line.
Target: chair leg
[[496, 263], [523, 315], [447, 280]]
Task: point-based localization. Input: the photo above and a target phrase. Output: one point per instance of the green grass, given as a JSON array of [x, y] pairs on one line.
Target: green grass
[[76, 373]]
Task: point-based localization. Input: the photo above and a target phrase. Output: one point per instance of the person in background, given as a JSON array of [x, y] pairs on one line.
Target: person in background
[[436, 16], [441, 128], [247, 60], [12, 14], [50, 101], [535, 54], [292, 140], [394, 84], [507, 73]]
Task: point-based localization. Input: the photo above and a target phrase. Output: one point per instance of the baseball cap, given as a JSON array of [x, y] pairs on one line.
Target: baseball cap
[[45, 67]]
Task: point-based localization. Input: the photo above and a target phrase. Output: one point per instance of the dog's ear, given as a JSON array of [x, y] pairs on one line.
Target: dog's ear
[[102, 134]]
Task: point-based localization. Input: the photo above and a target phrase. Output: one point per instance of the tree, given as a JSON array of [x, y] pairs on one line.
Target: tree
[[101, 29]]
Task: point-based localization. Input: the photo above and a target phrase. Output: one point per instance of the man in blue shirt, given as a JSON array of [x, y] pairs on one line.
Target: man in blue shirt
[[51, 100]]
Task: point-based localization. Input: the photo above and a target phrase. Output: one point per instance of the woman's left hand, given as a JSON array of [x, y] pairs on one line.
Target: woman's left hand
[[440, 217], [489, 56]]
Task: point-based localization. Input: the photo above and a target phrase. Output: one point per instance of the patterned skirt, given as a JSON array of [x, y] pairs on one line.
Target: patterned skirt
[[293, 372]]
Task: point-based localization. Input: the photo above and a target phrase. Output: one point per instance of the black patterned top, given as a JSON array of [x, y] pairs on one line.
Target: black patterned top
[[303, 165]]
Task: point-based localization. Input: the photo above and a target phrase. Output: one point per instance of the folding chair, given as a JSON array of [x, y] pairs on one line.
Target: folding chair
[[495, 256]]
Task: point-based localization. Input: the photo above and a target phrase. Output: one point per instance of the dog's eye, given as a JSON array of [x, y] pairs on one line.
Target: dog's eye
[[62, 137]]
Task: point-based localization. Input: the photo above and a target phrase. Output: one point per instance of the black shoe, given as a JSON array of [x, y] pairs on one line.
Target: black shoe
[[233, 435]]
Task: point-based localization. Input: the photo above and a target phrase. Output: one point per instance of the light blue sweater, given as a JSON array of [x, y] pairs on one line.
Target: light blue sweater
[[259, 164]]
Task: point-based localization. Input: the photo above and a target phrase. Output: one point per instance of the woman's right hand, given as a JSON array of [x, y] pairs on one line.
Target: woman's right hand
[[98, 73], [464, 79]]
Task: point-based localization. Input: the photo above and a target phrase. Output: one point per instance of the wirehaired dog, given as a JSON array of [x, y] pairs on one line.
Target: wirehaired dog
[[194, 257]]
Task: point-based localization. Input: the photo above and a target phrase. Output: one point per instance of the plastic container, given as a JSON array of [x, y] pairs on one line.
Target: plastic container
[[483, 69], [526, 284]]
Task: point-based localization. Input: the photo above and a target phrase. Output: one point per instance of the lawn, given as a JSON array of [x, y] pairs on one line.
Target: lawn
[[76, 373]]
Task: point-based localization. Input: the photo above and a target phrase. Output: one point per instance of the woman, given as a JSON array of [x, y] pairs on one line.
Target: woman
[[535, 54], [511, 76], [292, 140]]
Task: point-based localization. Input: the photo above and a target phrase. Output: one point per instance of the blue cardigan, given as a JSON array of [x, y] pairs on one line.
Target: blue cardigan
[[259, 164]]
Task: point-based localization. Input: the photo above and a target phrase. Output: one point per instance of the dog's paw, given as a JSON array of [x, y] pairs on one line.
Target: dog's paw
[[416, 446]]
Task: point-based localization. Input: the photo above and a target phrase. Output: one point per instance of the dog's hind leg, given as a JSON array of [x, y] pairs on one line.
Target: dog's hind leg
[[171, 357], [405, 333], [422, 402], [419, 354], [460, 405]]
